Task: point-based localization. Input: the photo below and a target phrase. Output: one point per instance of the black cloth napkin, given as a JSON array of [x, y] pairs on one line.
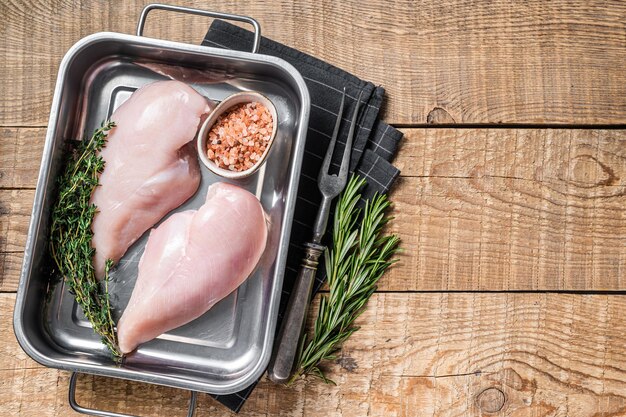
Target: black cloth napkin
[[375, 144]]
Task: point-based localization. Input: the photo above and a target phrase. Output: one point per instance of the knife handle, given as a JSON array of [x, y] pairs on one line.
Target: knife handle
[[286, 347]]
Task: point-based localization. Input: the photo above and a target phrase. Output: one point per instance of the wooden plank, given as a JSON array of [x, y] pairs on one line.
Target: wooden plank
[[15, 210], [511, 209], [477, 209], [10, 269], [415, 354], [444, 61], [20, 156]]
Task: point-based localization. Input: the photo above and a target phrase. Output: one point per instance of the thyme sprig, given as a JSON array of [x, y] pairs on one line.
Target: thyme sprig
[[71, 234], [360, 255]]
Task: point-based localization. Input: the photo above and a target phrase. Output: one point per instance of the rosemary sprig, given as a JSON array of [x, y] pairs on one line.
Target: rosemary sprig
[[360, 255], [70, 236]]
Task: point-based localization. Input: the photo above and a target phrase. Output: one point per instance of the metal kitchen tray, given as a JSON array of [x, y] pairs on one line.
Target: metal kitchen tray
[[227, 348]]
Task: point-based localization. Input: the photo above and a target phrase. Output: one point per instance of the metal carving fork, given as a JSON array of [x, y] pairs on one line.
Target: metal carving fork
[[287, 344]]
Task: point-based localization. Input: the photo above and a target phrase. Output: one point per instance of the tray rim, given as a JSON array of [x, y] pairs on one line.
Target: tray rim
[[256, 371]]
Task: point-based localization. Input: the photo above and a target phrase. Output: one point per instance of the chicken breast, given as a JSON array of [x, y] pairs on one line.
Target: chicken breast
[[150, 165], [193, 260]]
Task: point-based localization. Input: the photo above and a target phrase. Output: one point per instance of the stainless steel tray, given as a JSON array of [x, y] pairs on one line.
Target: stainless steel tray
[[227, 348]]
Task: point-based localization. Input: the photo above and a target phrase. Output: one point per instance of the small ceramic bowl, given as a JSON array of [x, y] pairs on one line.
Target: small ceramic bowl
[[227, 104]]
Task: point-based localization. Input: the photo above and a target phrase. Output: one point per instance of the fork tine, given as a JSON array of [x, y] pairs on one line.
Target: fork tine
[[333, 140], [345, 160]]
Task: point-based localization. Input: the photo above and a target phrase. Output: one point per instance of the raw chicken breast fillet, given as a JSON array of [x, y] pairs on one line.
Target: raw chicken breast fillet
[[151, 167], [193, 260]]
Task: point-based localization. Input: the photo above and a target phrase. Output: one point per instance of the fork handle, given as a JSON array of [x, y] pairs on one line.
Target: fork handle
[[286, 347]]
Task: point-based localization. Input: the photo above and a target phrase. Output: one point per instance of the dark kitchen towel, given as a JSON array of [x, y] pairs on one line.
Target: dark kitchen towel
[[375, 144]]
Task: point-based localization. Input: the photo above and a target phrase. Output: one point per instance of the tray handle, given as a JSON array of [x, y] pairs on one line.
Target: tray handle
[[102, 413], [218, 15]]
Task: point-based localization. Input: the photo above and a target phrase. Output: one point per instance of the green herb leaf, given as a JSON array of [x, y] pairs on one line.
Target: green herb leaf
[[360, 255], [70, 237]]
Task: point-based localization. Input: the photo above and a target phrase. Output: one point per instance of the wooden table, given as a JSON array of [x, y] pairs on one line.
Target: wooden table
[[508, 299]]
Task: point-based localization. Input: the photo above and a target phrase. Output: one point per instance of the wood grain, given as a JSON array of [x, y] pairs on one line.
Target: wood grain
[[511, 209], [15, 209], [10, 269], [477, 209], [20, 156], [415, 354], [440, 61]]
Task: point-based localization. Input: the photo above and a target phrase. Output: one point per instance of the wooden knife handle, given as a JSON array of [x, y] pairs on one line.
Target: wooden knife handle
[[286, 346]]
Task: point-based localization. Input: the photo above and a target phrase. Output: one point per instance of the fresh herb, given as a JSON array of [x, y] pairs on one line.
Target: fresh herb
[[70, 236], [360, 255]]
